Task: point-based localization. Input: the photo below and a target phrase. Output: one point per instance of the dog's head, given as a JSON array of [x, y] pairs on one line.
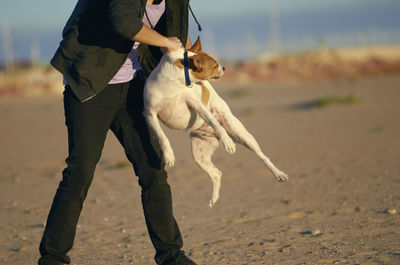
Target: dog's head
[[201, 65]]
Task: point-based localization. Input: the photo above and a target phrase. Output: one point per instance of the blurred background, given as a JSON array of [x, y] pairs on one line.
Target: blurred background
[[234, 31], [246, 29]]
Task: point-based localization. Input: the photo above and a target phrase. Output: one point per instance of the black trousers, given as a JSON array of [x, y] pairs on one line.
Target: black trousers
[[119, 108]]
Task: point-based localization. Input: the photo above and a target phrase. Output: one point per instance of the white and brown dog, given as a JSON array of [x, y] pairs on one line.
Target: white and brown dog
[[170, 96]]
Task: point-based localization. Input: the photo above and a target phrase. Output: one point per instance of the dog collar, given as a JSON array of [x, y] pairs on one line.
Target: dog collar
[[186, 68]]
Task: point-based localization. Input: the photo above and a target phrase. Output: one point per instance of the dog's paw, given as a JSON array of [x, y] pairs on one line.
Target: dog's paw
[[228, 144], [169, 158], [213, 201], [282, 177], [170, 162]]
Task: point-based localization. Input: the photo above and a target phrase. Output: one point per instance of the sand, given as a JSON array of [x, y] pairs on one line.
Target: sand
[[340, 206]]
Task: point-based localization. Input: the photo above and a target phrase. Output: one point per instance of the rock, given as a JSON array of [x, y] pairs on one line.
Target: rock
[[37, 226], [287, 201], [391, 211], [284, 250], [315, 232], [22, 248], [357, 209], [96, 200]]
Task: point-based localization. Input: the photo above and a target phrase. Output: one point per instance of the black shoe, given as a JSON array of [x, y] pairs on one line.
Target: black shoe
[[180, 258], [47, 261]]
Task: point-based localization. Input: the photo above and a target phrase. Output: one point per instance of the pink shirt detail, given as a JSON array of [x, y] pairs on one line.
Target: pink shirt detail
[[128, 70]]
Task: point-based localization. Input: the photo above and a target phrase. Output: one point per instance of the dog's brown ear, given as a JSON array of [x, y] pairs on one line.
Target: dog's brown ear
[[197, 63], [196, 47]]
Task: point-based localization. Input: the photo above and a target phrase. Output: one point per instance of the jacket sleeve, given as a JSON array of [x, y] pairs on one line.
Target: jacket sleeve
[[124, 17]]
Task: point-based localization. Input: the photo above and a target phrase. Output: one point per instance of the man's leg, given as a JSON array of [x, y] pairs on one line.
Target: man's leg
[[87, 125], [144, 152]]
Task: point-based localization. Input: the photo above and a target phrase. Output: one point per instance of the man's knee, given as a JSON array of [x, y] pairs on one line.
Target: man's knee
[[152, 179], [76, 180]]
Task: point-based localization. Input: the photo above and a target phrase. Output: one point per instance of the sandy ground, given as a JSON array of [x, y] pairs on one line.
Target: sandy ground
[[341, 205]]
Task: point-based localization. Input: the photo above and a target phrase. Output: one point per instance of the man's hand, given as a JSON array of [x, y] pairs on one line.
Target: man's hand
[[173, 43]]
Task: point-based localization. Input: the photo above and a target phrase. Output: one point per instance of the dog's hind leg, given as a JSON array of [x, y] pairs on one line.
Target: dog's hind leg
[[240, 135], [203, 148]]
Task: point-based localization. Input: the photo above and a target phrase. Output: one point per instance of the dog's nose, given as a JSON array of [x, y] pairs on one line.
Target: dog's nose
[[223, 68]]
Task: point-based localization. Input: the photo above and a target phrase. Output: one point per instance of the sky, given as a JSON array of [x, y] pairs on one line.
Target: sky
[[228, 25], [49, 14]]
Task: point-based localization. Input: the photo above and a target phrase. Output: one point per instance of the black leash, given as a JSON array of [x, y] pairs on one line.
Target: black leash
[[191, 11], [147, 16], [195, 19]]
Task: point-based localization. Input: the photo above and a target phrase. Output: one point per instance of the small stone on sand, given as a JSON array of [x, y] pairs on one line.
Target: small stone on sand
[[391, 211], [315, 232]]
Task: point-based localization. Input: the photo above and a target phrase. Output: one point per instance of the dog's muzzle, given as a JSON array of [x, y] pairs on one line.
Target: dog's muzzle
[[221, 70]]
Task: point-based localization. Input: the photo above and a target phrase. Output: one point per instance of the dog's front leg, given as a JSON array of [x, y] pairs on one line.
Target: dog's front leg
[[239, 133], [155, 127], [206, 115]]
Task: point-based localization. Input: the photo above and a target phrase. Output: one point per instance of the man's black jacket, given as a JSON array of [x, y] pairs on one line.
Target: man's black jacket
[[97, 40]]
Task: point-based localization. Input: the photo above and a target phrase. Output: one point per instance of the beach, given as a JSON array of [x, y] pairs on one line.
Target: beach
[[337, 139]]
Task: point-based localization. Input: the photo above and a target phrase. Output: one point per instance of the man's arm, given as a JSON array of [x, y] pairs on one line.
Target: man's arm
[[124, 17], [151, 37]]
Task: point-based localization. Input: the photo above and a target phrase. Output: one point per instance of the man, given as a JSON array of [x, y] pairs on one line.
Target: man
[[99, 58]]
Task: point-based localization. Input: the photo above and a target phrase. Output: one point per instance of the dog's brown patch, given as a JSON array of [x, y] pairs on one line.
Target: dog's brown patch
[[203, 66], [205, 98], [205, 94], [206, 66], [179, 63], [196, 47]]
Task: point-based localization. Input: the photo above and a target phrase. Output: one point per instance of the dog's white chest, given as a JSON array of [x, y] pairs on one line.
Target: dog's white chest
[[176, 114]]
